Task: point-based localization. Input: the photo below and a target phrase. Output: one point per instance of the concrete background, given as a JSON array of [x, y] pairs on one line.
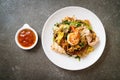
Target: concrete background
[[17, 64]]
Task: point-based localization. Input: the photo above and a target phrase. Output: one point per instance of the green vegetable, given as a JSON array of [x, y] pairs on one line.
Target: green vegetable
[[82, 44], [78, 24], [89, 27], [66, 28], [75, 23], [78, 57], [66, 22], [57, 24], [69, 55]]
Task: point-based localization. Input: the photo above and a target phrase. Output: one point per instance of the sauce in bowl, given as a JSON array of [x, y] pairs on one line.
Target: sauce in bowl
[[26, 37]]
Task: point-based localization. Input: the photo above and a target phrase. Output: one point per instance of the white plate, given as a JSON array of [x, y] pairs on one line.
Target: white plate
[[65, 61]]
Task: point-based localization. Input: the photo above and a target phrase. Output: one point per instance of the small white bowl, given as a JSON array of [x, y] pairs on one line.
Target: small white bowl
[[26, 26]]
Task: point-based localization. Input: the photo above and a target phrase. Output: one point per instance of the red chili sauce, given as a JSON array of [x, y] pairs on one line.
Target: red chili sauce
[[26, 37]]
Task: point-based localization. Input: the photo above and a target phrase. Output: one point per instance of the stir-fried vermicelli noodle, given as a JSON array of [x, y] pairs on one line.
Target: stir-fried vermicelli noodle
[[74, 37]]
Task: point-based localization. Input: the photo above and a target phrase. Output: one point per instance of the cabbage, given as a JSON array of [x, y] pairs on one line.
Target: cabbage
[[59, 37], [65, 27]]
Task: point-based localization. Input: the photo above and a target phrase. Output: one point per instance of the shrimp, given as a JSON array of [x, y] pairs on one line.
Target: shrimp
[[89, 37], [73, 38], [90, 42]]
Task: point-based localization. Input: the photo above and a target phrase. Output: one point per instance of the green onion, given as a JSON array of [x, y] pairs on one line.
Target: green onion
[[57, 24], [75, 23], [66, 22], [82, 44], [78, 24], [78, 57], [69, 55], [89, 27]]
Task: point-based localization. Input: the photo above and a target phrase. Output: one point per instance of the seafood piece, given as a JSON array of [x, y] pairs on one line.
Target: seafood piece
[[73, 38], [57, 48], [89, 36], [91, 42]]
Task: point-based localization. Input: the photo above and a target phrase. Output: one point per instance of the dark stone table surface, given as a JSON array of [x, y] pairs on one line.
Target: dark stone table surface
[[17, 64]]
